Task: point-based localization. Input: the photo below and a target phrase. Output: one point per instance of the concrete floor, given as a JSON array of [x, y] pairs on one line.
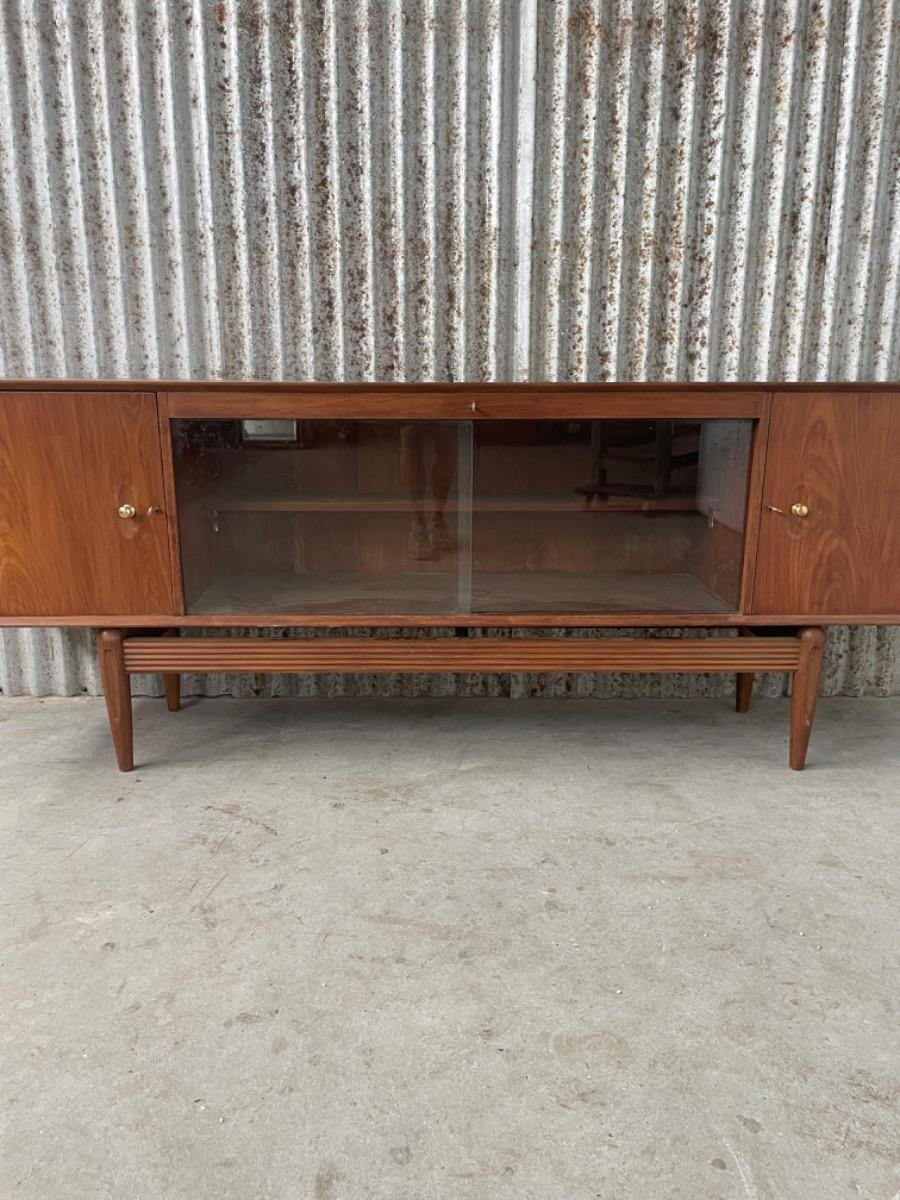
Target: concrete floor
[[365, 949]]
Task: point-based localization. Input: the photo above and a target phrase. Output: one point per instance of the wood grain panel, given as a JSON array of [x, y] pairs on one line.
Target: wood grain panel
[[67, 461], [459, 654], [839, 455]]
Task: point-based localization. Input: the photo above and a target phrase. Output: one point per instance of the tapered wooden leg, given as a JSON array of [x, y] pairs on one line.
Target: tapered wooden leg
[[804, 692], [117, 689], [172, 684], [743, 691], [743, 683]]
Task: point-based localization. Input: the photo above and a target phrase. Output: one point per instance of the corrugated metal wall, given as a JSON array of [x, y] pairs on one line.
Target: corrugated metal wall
[[428, 189]]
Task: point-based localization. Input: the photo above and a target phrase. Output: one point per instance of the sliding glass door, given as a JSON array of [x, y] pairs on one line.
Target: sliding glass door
[[457, 518]]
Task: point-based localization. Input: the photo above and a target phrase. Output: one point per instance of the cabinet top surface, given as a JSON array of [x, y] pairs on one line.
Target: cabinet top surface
[[350, 388]]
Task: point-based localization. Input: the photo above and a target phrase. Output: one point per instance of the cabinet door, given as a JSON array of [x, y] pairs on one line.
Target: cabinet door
[[68, 461], [837, 454]]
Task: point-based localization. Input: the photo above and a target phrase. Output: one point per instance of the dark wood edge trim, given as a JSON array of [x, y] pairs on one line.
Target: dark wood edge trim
[[171, 502], [750, 598], [497, 621], [542, 388], [753, 521]]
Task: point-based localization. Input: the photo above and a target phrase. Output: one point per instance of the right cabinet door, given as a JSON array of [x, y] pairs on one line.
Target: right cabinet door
[[829, 541]]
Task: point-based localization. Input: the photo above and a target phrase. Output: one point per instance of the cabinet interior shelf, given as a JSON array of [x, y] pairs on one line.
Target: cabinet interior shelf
[[511, 504]]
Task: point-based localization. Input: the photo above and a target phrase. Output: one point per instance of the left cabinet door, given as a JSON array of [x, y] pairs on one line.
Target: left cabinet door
[[70, 464]]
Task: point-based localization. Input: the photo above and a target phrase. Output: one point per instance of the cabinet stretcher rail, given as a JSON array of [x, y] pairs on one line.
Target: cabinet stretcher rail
[[148, 655]]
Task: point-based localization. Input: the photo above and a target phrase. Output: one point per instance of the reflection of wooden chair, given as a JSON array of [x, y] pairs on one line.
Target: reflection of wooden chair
[[658, 448]]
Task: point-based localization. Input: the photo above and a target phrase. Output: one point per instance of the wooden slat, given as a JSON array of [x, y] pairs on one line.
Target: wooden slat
[[460, 654]]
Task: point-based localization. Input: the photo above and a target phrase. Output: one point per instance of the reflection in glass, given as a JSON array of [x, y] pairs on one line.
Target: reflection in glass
[[428, 466], [442, 518], [343, 517], [609, 516]]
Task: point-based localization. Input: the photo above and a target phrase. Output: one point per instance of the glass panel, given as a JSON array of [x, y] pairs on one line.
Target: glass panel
[[324, 517], [609, 516], [441, 518]]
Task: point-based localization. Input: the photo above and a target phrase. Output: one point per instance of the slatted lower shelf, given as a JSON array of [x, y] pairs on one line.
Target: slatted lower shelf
[[260, 655]]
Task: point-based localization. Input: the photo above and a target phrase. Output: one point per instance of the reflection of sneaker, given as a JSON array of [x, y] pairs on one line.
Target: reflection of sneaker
[[419, 543], [441, 537]]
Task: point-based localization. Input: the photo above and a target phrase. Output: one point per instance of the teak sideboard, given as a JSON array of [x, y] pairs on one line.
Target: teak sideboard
[[143, 508]]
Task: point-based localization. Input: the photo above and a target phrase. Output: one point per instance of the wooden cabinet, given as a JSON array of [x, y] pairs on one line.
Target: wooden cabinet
[[72, 467], [829, 539], [145, 508]]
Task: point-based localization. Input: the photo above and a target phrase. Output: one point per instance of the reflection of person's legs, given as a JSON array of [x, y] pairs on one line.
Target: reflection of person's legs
[[443, 473], [412, 464], [412, 472], [443, 466]]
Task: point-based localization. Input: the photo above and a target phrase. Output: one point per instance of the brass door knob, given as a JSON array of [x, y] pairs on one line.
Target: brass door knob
[[799, 510], [126, 511]]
